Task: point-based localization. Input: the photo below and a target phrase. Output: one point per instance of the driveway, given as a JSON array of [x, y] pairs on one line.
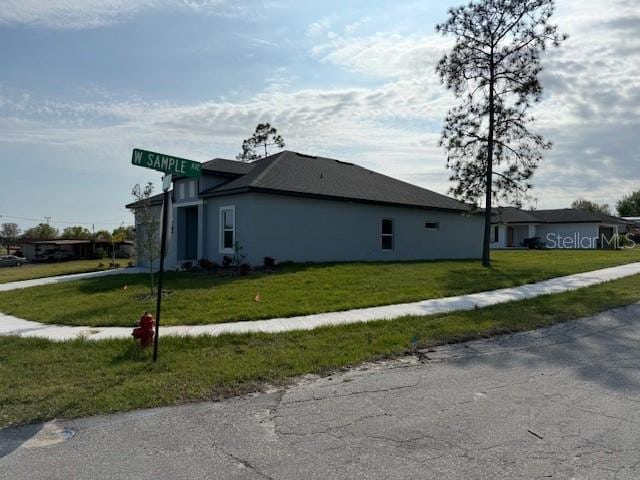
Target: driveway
[[562, 402]]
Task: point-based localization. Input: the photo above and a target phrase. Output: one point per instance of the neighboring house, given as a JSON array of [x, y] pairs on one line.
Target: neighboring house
[[560, 228], [69, 249], [302, 208]]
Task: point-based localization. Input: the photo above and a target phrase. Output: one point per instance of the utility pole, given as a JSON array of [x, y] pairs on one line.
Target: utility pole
[[47, 220]]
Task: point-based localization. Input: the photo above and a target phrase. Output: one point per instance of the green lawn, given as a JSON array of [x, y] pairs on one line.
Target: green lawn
[[40, 270], [40, 380], [198, 298]]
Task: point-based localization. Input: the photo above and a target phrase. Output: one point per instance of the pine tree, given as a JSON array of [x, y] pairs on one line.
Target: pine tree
[[493, 69]]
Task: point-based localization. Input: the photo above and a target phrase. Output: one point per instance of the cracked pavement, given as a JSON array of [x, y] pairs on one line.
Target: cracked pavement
[[561, 402]]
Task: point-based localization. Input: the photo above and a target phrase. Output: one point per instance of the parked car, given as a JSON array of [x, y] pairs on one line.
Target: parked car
[[52, 255], [11, 261]]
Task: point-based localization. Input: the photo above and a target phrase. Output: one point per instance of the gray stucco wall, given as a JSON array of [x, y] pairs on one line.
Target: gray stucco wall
[[313, 230], [553, 235], [569, 235]]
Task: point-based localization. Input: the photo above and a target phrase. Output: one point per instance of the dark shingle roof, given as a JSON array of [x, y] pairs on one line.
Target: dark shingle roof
[[227, 167], [154, 200], [512, 215], [561, 215], [295, 173]]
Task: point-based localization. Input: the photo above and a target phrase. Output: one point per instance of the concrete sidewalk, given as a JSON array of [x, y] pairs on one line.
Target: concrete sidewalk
[[16, 326], [37, 282]]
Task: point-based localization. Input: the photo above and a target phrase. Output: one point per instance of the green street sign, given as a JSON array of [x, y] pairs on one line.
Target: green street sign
[[166, 163]]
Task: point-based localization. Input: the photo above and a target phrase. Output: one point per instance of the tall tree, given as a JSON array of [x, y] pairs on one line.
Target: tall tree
[[264, 137], [76, 233], [147, 227], [9, 233], [493, 69], [629, 205], [43, 231], [589, 206]]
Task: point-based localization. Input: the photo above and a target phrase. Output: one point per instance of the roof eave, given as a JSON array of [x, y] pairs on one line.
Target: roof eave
[[240, 190]]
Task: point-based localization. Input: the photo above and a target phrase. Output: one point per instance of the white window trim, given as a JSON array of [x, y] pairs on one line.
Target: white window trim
[[181, 191], [221, 233], [392, 235], [192, 188]]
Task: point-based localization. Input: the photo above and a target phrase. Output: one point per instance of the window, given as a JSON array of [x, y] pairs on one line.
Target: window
[[387, 234], [227, 229], [181, 191], [192, 188], [432, 225], [495, 233]]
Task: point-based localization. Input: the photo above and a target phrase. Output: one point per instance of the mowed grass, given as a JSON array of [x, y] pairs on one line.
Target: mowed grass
[[40, 380], [40, 270], [200, 298]]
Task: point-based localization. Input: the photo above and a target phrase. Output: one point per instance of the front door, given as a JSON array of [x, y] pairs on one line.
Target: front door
[[191, 233], [509, 236], [188, 233]]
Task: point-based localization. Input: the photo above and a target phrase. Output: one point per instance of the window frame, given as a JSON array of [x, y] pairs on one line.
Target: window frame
[[389, 235], [496, 233], [192, 189], [181, 191], [222, 229]]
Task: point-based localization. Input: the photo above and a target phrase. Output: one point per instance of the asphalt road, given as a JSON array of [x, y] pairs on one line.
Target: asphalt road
[[558, 403]]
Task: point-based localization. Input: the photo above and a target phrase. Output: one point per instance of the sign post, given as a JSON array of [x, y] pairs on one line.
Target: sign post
[[163, 250], [170, 166]]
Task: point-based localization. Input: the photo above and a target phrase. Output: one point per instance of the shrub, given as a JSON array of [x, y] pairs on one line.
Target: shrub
[[269, 262], [187, 266], [207, 265], [244, 269], [226, 261], [130, 264], [101, 265]]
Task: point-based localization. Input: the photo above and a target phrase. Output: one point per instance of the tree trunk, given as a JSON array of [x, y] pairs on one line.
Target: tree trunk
[[486, 252]]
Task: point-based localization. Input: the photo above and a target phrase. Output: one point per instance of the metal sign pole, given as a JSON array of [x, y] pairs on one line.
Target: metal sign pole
[[166, 184]]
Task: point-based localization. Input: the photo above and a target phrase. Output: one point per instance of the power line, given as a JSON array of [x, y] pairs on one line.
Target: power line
[[62, 222]]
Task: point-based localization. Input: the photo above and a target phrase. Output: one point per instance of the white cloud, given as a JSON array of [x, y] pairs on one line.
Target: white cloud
[[384, 54], [592, 110], [81, 14]]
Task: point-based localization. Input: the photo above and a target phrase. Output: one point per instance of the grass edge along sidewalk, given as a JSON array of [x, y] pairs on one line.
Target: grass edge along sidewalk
[[40, 379], [33, 271], [299, 289]]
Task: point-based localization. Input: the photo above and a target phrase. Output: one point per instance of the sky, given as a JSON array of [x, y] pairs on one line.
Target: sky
[[83, 82]]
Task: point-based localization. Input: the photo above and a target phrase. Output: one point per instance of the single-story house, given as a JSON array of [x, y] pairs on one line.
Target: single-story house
[[69, 249], [303, 208], [560, 228]]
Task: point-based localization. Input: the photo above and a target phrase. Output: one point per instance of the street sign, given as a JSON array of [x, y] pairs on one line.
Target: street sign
[[166, 163]]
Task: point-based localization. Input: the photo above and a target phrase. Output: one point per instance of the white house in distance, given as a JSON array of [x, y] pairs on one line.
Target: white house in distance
[[560, 228], [303, 208]]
